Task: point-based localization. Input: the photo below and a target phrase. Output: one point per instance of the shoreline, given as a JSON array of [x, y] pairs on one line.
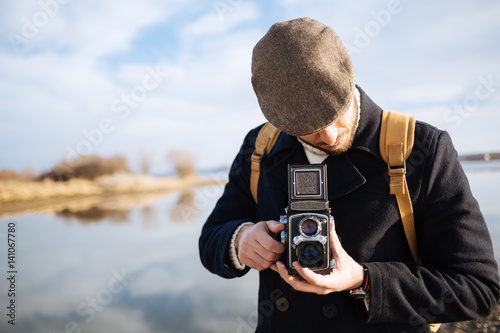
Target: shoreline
[[29, 197]]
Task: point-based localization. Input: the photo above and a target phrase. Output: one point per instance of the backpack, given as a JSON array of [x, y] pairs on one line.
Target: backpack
[[397, 135]]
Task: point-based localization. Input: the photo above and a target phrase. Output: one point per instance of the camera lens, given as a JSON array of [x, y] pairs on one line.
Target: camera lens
[[310, 254], [309, 227]]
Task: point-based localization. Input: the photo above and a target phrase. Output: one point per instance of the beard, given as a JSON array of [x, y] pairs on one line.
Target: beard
[[345, 140]]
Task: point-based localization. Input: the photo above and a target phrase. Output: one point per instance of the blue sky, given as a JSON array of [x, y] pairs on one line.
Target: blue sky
[[107, 77]]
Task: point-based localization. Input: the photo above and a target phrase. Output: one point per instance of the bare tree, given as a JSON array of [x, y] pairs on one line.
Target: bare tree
[[183, 161], [147, 156]]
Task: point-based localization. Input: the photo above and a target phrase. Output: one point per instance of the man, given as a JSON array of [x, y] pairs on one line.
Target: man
[[304, 81]]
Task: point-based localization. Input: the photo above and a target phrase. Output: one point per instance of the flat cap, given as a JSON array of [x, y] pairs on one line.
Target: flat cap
[[302, 75]]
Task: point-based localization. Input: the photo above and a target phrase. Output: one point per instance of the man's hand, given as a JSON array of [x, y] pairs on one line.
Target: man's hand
[[255, 244], [347, 275]]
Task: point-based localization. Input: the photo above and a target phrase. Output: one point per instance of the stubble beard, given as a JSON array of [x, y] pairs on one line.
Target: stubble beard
[[347, 139]]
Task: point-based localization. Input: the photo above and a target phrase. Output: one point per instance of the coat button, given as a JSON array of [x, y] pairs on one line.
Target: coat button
[[282, 304], [330, 310]]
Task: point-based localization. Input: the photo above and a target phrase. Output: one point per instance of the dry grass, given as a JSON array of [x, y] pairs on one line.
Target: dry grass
[[13, 190], [30, 190]]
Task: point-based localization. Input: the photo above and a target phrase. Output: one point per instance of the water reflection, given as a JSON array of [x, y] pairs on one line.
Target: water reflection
[[116, 208], [150, 218], [94, 214], [185, 209]]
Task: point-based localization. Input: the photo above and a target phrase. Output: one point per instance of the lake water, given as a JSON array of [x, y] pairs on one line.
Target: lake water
[[131, 265]]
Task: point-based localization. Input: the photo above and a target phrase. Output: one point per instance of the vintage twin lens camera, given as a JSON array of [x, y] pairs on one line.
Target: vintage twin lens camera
[[307, 220]]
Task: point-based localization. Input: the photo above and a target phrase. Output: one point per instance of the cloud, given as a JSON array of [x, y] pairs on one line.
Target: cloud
[[55, 87], [224, 17], [464, 23], [89, 54], [91, 28]]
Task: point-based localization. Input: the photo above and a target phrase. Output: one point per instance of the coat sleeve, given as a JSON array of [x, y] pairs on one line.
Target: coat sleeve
[[459, 276], [234, 207]]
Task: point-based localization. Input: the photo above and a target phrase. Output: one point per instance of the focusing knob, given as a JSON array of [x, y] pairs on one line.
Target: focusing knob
[[297, 240], [283, 237]]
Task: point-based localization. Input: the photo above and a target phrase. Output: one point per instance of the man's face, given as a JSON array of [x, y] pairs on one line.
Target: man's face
[[337, 138]]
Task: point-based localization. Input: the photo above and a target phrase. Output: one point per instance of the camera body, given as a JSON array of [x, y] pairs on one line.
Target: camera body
[[307, 219]]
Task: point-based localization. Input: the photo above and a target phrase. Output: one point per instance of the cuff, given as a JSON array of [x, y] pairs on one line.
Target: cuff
[[232, 249]]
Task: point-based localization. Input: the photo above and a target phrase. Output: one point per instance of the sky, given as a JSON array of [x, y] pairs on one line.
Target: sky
[[107, 77]]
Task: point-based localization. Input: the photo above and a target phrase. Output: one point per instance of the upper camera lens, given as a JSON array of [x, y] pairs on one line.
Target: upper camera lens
[[309, 227]]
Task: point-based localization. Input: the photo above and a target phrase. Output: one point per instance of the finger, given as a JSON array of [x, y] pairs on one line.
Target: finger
[[265, 248], [250, 263], [252, 248], [266, 240], [319, 282], [261, 243], [271, 245], [335, 243], [275, 226], [274, 267], [283, 272], [263, 257], [267, 255], [256, 262], [296, 282], [316, 283], [308, 275]]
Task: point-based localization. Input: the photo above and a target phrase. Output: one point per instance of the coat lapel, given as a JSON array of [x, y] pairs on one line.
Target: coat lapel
[[343, 176]]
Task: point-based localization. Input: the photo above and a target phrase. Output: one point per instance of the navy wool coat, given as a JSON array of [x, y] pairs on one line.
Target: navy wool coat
[[458, 279]]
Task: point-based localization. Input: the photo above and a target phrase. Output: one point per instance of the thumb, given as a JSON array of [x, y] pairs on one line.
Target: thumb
[[335, 241], [275, 226]]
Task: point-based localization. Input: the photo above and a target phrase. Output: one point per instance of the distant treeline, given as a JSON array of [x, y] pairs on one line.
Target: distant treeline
[[88, 167], [93, 166], [480, 157]]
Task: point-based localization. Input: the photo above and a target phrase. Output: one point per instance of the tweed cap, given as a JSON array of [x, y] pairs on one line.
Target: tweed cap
[[302, 75]]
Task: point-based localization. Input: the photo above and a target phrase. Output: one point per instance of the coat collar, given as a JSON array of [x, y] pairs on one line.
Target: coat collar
[[368, 132], [288, 150]]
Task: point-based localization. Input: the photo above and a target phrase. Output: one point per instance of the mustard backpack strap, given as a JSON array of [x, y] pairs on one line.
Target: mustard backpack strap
[[267, 137], [397, 134]]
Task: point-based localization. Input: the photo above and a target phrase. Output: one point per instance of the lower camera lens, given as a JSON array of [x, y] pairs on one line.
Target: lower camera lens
[[310, 255], [309, 227]]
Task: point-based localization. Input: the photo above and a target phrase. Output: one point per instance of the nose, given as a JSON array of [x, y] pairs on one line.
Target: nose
[[329, 135]]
